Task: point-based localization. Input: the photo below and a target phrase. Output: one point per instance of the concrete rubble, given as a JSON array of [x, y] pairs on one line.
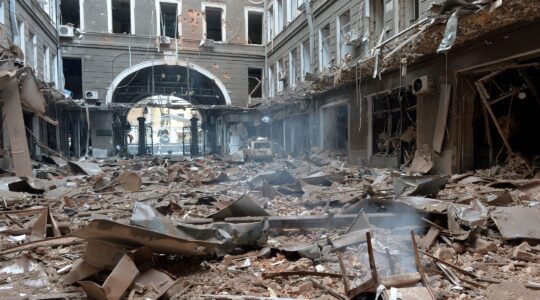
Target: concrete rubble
[[226, 156], [208, 228]]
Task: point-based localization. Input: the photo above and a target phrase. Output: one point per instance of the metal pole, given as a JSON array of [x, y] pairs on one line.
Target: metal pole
[[194, 137], [142, 134]]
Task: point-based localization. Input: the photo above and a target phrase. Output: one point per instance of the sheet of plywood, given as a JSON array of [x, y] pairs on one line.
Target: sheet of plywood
[[442, 116]]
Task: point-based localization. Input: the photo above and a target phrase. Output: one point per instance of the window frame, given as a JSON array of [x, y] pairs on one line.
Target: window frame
[[247, 10], [223, 8], [158, 17], [292, 71], [322, 46], [303, 70], [110, 16]]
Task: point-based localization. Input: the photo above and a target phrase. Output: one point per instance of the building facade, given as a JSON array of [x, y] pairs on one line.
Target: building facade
[[30, 50], [381, 82], [208, 53]]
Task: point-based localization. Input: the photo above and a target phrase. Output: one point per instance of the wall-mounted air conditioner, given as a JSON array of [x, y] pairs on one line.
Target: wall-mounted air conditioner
[[164, 40], [91, 95], [422, 85], [65, 31]]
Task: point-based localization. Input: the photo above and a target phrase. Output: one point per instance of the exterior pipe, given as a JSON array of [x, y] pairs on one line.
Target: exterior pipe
[[311, 34]]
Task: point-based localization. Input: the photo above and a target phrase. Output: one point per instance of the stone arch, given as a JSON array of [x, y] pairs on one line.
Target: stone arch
[[156, 63]]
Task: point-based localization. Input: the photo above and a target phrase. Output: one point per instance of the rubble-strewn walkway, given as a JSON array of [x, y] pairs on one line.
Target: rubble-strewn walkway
[[210, 228]]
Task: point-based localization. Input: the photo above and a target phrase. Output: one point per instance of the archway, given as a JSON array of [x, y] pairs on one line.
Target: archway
[[156, 85], [168, 129], [184, 80]]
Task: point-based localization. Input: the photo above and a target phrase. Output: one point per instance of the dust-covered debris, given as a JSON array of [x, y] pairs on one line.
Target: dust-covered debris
[[133, 230]]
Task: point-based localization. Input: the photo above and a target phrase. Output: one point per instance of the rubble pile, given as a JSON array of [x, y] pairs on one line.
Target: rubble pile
[[216, 228]]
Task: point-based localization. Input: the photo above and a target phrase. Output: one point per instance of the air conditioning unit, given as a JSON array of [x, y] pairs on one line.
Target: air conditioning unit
[[164, 40], [422, 85], [282, 76], [65, 31], [91, 95], [207, 43]]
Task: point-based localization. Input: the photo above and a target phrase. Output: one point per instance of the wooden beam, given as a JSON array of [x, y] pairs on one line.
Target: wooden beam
[[484, 98], [14, 122], [315, 221]]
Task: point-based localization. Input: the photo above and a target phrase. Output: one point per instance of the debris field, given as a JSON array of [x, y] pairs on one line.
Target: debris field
[[221, 228]]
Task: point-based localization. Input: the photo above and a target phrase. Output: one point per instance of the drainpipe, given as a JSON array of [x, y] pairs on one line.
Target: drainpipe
[[59, 65], [266, 84], [309, 16], [13, 19]]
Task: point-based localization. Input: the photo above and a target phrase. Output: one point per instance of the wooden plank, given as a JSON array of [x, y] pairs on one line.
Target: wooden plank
[[482, 93], [442, 116], [315, 221], [14, 122], [430, 237]]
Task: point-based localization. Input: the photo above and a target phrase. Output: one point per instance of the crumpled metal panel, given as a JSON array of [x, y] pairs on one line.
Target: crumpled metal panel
[[84, 167], [134, 237], [419, 185], [157, 232], [450, 33], [245, 206]]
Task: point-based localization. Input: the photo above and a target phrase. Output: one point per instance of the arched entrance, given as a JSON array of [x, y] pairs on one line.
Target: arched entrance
[[154, 87], [168, 130], [184, 80]]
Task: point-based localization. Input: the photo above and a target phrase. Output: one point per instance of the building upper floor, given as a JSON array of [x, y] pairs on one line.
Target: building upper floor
[[31, 25], [229, 25], [310, 39]]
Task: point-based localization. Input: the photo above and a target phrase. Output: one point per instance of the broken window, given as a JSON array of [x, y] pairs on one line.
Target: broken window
[[21, 43], [394, 125], [324, 45], [344, 48], [70, 13], [72, 69], [411, 12], [306, 59], [255, 27], [54, 72], [292, 10], [378, 19], [169, 22], [121, 16], [271, 23], [49, 6], [271, 82], [46, 64], [292, 67], [505, 113], [2, 13], [279, 16], [255, 83], [32, 53], [214, 24], [281, 75]]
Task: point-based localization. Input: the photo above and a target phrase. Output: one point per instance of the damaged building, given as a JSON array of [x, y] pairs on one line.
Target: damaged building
[[269, 149], [383, 81], [121, 55]]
